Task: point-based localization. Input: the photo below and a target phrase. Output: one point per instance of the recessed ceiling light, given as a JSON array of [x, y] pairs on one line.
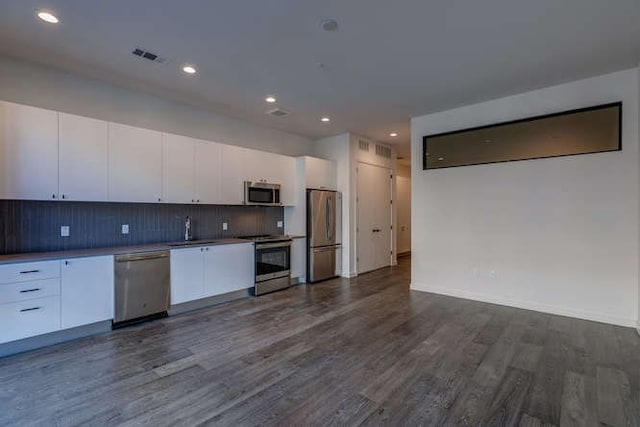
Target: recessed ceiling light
[[48, 17], [189, 69], [325, 119], [393, 134], [270, 99]]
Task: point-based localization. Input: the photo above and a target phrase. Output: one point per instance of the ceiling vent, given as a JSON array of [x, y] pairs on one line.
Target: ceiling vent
[[150, 56], [383, 151], [278, 112], [363, 145]]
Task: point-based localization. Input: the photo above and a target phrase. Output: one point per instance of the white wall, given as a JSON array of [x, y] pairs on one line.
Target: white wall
[[40, 86], [403, 192], [561, 234], [337, 148]]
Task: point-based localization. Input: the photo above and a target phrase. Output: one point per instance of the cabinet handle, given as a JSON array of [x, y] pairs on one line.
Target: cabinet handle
[[29, 271], [24, 310], [66, 263], [24, 291], [193, 200], [206, 249], [53, 196], [64, 196], [198, 200]]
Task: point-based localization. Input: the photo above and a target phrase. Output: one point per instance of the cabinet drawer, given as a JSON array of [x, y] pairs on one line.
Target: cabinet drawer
[[22, 291], [28, 271], [29, 318]]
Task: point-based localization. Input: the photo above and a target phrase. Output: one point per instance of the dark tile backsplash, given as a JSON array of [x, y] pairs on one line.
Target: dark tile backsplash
[[34, 226]]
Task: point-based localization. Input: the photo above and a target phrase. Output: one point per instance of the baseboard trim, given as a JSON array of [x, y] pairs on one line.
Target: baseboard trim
[[526, 305], [52, 338], [350, 275]]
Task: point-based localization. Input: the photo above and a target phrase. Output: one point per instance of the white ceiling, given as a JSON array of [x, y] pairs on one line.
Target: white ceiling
[[389, 60]]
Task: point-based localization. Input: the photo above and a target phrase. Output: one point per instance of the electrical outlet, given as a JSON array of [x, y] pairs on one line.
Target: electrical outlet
[[280, 224], [225, 226], [125, 228], [476, 273], [64, 231]]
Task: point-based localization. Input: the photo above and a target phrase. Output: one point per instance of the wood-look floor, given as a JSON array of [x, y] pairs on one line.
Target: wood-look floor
[[366, 351]]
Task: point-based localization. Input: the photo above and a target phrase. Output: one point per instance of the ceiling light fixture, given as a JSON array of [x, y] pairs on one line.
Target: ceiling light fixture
[[48, 17], [393, 134], [325, 119], [440, 159], [189, 69], [270, 99]]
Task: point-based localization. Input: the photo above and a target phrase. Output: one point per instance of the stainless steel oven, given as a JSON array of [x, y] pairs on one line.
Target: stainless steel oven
[[261, 193], [273, 263]]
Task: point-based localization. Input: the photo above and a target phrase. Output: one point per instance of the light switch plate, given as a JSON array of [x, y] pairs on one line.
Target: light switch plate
[[225, 226], [279, 224], [64, 231], [125, 228]]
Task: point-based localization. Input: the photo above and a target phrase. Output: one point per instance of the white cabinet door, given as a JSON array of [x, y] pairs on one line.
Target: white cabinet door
[[186, 275], [286, 177], [320, 174], [28, 318], [299, 259], [228, 268], [28, 152], [86, 291], [135, 164], [83, 158], [273, 168], [208, 171], [178, 169], [235, 163]]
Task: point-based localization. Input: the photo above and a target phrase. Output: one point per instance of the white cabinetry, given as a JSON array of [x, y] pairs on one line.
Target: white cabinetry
[[135, 160], [178, 167], [29, 299], [208, 172], [28, 152], [86, 291], [234, 173], [83, 155], [320, 174], [210, 270], [186, 275], [228, 268]]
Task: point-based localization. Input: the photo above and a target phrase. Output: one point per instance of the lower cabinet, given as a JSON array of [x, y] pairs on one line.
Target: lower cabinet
[[87, 291], [210, 270], [41, 297]]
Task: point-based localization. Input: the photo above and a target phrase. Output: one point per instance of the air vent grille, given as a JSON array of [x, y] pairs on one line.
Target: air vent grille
[[150, 56], [278, 112], [383, 151], [363, 145]]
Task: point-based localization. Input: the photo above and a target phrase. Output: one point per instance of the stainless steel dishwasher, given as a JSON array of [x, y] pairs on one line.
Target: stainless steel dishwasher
[[142, 286]]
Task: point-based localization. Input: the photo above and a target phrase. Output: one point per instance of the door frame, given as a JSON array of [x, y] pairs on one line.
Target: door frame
[[357, 213]]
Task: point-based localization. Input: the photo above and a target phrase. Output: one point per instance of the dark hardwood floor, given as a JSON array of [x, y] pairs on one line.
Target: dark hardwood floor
[[366, 351]]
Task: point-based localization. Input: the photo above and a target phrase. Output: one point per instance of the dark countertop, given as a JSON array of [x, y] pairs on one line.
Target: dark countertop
[[81, 253]]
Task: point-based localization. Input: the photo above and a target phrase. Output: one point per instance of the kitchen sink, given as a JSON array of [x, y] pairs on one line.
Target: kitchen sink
[[193, 243]]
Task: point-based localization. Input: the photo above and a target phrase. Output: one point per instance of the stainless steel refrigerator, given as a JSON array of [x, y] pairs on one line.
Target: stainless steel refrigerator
[[324, 235]]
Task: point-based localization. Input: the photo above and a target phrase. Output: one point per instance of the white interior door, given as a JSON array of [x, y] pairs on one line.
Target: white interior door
[[374, 217]]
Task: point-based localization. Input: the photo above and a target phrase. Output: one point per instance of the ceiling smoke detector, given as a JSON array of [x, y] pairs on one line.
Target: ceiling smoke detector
[[278, 112], [329, 25]]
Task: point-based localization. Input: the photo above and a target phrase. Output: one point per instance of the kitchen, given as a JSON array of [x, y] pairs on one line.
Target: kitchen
[[195, 222]]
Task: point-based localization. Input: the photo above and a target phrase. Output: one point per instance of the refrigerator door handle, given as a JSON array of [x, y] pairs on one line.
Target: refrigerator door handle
[[328, 218]]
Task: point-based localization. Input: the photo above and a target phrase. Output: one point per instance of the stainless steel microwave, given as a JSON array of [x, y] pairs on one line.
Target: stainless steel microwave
[[261, 193]]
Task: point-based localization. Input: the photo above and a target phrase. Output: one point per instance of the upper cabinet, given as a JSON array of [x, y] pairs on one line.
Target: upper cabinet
[[178, 166], [135, 161], [28, 152], [320, 174], [208, 172], [47, 155], [83, 158]]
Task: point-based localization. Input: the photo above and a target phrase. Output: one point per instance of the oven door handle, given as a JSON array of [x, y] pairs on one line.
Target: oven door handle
[[272, 245]]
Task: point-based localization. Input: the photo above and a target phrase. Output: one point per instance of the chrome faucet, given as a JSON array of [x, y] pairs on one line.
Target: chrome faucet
[[187, 229]]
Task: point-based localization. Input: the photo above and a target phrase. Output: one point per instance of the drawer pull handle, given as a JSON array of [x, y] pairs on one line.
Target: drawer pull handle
[[30, 271], [30, 309], [24, 291]]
